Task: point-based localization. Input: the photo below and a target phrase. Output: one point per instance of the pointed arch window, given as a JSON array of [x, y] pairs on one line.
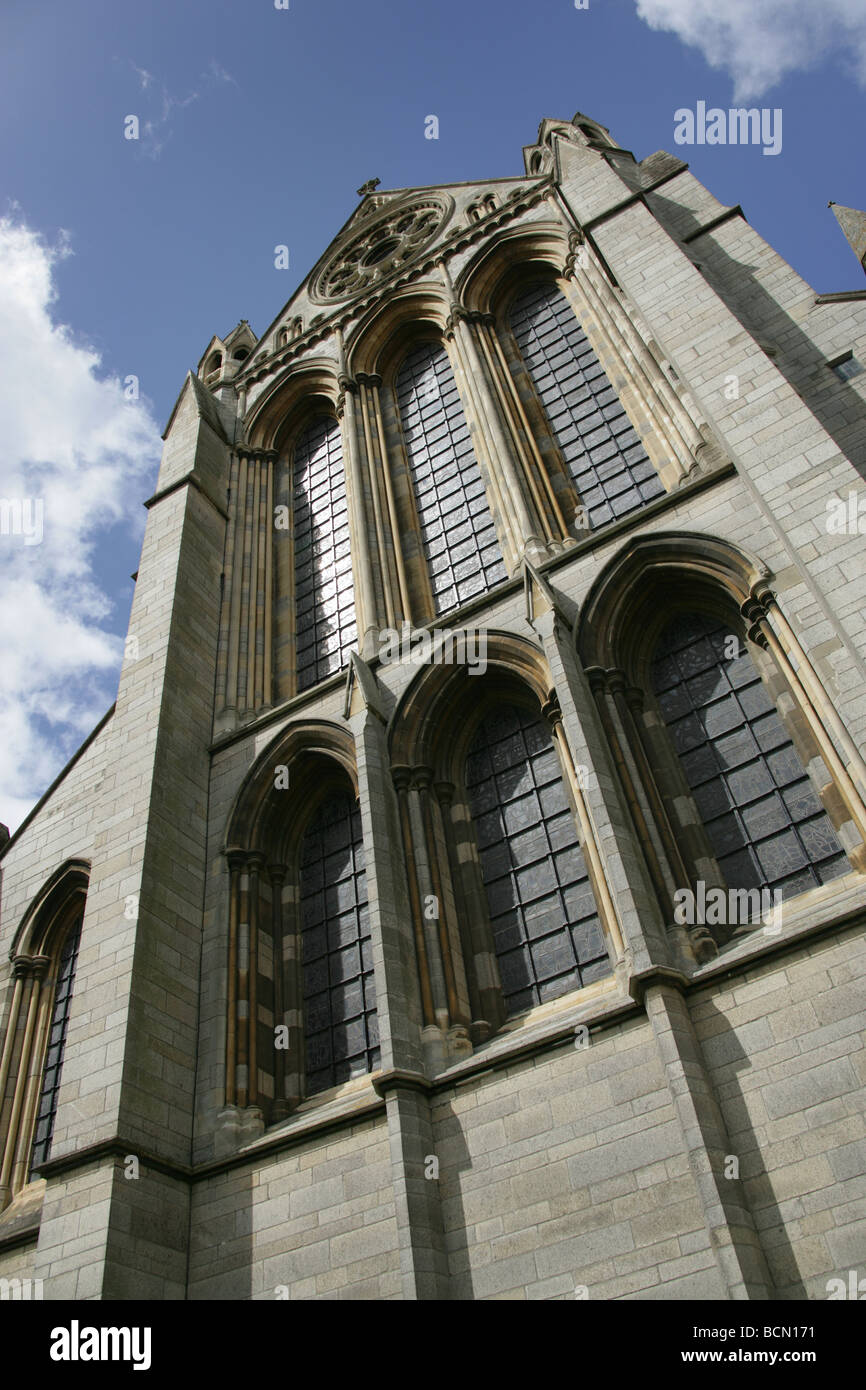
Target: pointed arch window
[[339, 996], [762, 816], [325, 628], [457, 528], [56, 1043], [547, 936], [607, 462], [33, 1044]]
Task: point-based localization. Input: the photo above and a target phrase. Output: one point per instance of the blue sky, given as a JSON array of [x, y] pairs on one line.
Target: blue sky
[[257, 126]]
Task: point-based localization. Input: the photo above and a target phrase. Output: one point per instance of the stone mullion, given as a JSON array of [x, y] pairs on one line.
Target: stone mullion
[[524, 434], [629, 774], [283, 588], [253, 591], [502, 398], [588, 843], [429, 925], [625, 897], [457, 1016], [33, 1087], [33, 972], [628, 704], [293, 951], [444, 804], [243, 989], [235, 870], [383, 548], [666, 781], [401, 784], [524, 532], [277, 875], [19, 968], [362, 572], [222, 679], [763, 633], [485, 985], [268, 525], [234, 575], [374, 384], [255, 866], [442, 838], [412, 541], [501, 507]]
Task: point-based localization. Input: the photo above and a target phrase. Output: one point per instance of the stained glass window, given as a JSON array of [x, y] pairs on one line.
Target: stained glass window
[[607, 461], [457, 529], [763, 817], [546, 932], [340, 1023], [324, 597], [47, 1110]]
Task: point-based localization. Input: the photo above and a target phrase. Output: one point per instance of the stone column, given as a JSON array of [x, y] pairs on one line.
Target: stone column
[[29, 973], [619, 706], [365, 594], [627, 903], [404, 605], [546, 500], [526, 528], [729, 1222], [423, 1250]]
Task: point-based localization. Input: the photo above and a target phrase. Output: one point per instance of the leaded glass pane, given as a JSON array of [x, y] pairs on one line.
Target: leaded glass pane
[[324, 597], [763, 817], [604, 455], [546, 931], [340, 1023], [47, 1110], [457, 529]]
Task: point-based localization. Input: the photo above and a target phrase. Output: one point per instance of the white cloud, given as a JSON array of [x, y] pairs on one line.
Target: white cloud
[[156, 128], [74, 442], [760, 41]]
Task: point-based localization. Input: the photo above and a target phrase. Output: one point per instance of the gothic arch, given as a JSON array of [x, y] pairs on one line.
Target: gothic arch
[[479, 964], [305, 768], [383, 335], [624, 603], [721, 758], [258, 822], [423, 720], [33, 936], [517, 254], [44, 953], [282, 409]]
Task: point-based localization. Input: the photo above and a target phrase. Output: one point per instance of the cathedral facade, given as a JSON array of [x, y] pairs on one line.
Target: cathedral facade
[[465, 896]]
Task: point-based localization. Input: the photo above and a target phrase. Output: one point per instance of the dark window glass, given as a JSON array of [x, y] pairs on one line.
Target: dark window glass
[[546, 932], [457, 529], [607, 461], [47, 1110], [340, 1023], [324, 597], [764, 820]]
